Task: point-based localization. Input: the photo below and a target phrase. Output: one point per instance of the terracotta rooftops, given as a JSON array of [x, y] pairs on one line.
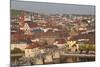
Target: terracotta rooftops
[[61, 41], [32, 24], [33, 45]]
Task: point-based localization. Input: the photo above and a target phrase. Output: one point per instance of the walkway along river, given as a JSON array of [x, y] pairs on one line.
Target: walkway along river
[[64, 58]]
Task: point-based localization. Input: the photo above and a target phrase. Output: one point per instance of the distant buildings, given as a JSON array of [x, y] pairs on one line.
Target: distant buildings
[[45, 37]]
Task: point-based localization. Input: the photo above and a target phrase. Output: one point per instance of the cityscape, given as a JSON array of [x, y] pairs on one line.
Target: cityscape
[[39, 38]]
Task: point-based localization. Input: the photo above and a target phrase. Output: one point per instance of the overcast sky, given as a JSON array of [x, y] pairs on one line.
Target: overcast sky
[[52, 8]]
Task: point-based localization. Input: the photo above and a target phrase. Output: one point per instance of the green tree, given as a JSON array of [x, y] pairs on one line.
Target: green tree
[[91, 48], [16, 50], [87, 48], [82, 48]]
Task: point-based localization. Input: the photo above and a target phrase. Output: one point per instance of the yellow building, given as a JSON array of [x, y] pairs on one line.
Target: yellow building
[[72, 45]]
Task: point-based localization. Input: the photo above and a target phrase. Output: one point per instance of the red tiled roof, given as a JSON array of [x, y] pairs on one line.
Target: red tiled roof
[[33, 45], [90, 36], [18, 36], [29, 36], [31, 24], [30, 47], [61, 41]]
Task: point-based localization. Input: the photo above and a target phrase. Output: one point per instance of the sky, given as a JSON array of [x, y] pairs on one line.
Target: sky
[[52, 8]]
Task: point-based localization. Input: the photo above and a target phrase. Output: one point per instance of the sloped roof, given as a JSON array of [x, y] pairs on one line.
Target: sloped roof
[[61, 41], [90, 36], [31, 24], [33, 45]]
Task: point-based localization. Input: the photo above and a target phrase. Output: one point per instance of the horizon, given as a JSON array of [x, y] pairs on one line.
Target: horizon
[[53, 8]]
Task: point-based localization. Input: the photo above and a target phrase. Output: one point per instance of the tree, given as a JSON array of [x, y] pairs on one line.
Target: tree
[[87, 48], [91, 48], [16, 50], [82, 48]]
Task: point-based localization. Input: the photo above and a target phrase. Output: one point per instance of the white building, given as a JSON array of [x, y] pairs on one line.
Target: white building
[[21, 46]]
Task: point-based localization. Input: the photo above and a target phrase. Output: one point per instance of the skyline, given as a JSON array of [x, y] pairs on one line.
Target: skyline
[[53, 8]]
